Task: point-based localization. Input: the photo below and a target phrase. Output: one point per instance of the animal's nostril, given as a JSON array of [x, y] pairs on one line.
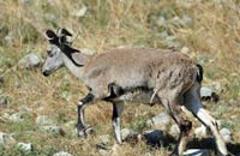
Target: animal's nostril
[[45, 73]]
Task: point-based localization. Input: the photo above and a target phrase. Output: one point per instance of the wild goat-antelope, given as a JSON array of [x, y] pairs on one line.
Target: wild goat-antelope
[[163, 76]]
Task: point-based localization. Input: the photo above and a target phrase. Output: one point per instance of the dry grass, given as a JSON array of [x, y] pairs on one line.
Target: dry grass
[[213, 38]]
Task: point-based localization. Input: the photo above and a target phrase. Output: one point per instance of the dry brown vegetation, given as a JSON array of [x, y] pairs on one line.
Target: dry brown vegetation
[[210, 34]]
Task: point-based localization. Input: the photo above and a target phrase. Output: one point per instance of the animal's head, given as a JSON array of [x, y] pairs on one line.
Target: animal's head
[[59, 47]]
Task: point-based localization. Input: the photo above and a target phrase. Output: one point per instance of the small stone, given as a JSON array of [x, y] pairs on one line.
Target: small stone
[[9, 38], [159, 121], [105, 139], [43, 120], [174, 131], [183, 21], [62, 153], [185, 50], [196, 152], [171, 42], [81, 12], [226, 134], [54, 130], [103, 152], [26, 1], [148, 154], [187, 20], [51, 17], [154, 137], [6, 139], [161, 21], [26, 147], [87, 51], [206, 92], [201, 132], [30, 61], [17, 117], [128, 134]]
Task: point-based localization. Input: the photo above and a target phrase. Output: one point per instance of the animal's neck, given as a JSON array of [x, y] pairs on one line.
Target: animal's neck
[[76, 70]]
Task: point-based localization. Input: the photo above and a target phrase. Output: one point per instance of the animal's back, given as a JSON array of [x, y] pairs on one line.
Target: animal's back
[[140, 67]]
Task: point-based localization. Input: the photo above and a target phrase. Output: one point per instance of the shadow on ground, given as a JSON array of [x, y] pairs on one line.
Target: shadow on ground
[[168, 141]]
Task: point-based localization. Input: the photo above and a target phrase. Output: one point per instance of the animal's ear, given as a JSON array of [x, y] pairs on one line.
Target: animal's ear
[[65, 37]]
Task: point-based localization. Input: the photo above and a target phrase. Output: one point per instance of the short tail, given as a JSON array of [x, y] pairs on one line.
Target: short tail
[[199, 73]]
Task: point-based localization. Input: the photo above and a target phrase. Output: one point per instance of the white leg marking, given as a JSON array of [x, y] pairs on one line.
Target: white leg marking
[[193, 103], [117, 130]]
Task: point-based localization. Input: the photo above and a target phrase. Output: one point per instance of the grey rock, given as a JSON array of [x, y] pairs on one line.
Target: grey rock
[[30, 61], [105, 139], [171, 42], [26, 2], [103, 152], [161, 21], [196, 152], [54, 130], [6, 139], [148, 154], [159, 121], [3, 102], [185, 50], [26, 147], [9, 38], [187, 20], [43, 120], [174, 130], [186, 3], [51, 17], [62, 153], [226, 134], [128, 134], [183, 21], [154, 137], [17, 117], [208, 94]]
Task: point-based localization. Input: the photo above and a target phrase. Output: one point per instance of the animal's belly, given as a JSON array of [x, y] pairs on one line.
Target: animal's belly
[[139, 96]]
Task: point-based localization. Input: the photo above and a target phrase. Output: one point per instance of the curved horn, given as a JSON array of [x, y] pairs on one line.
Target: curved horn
[[63, 32], [64, 36], [50, 35]]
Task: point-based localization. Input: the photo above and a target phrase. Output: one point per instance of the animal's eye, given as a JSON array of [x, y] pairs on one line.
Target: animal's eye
[[50, 53]]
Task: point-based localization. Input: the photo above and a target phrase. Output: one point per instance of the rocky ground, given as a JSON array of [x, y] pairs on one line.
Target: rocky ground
[[38, 114]]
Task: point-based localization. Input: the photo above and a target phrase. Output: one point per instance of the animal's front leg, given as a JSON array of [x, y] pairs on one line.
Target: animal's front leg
[[117, 110], [82, 128]]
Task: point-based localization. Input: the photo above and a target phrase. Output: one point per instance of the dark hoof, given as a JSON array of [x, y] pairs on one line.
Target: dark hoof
[[84, 132]]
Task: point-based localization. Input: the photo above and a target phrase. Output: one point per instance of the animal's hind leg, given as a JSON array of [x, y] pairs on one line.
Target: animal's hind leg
[[193, 103], [174, 109]]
